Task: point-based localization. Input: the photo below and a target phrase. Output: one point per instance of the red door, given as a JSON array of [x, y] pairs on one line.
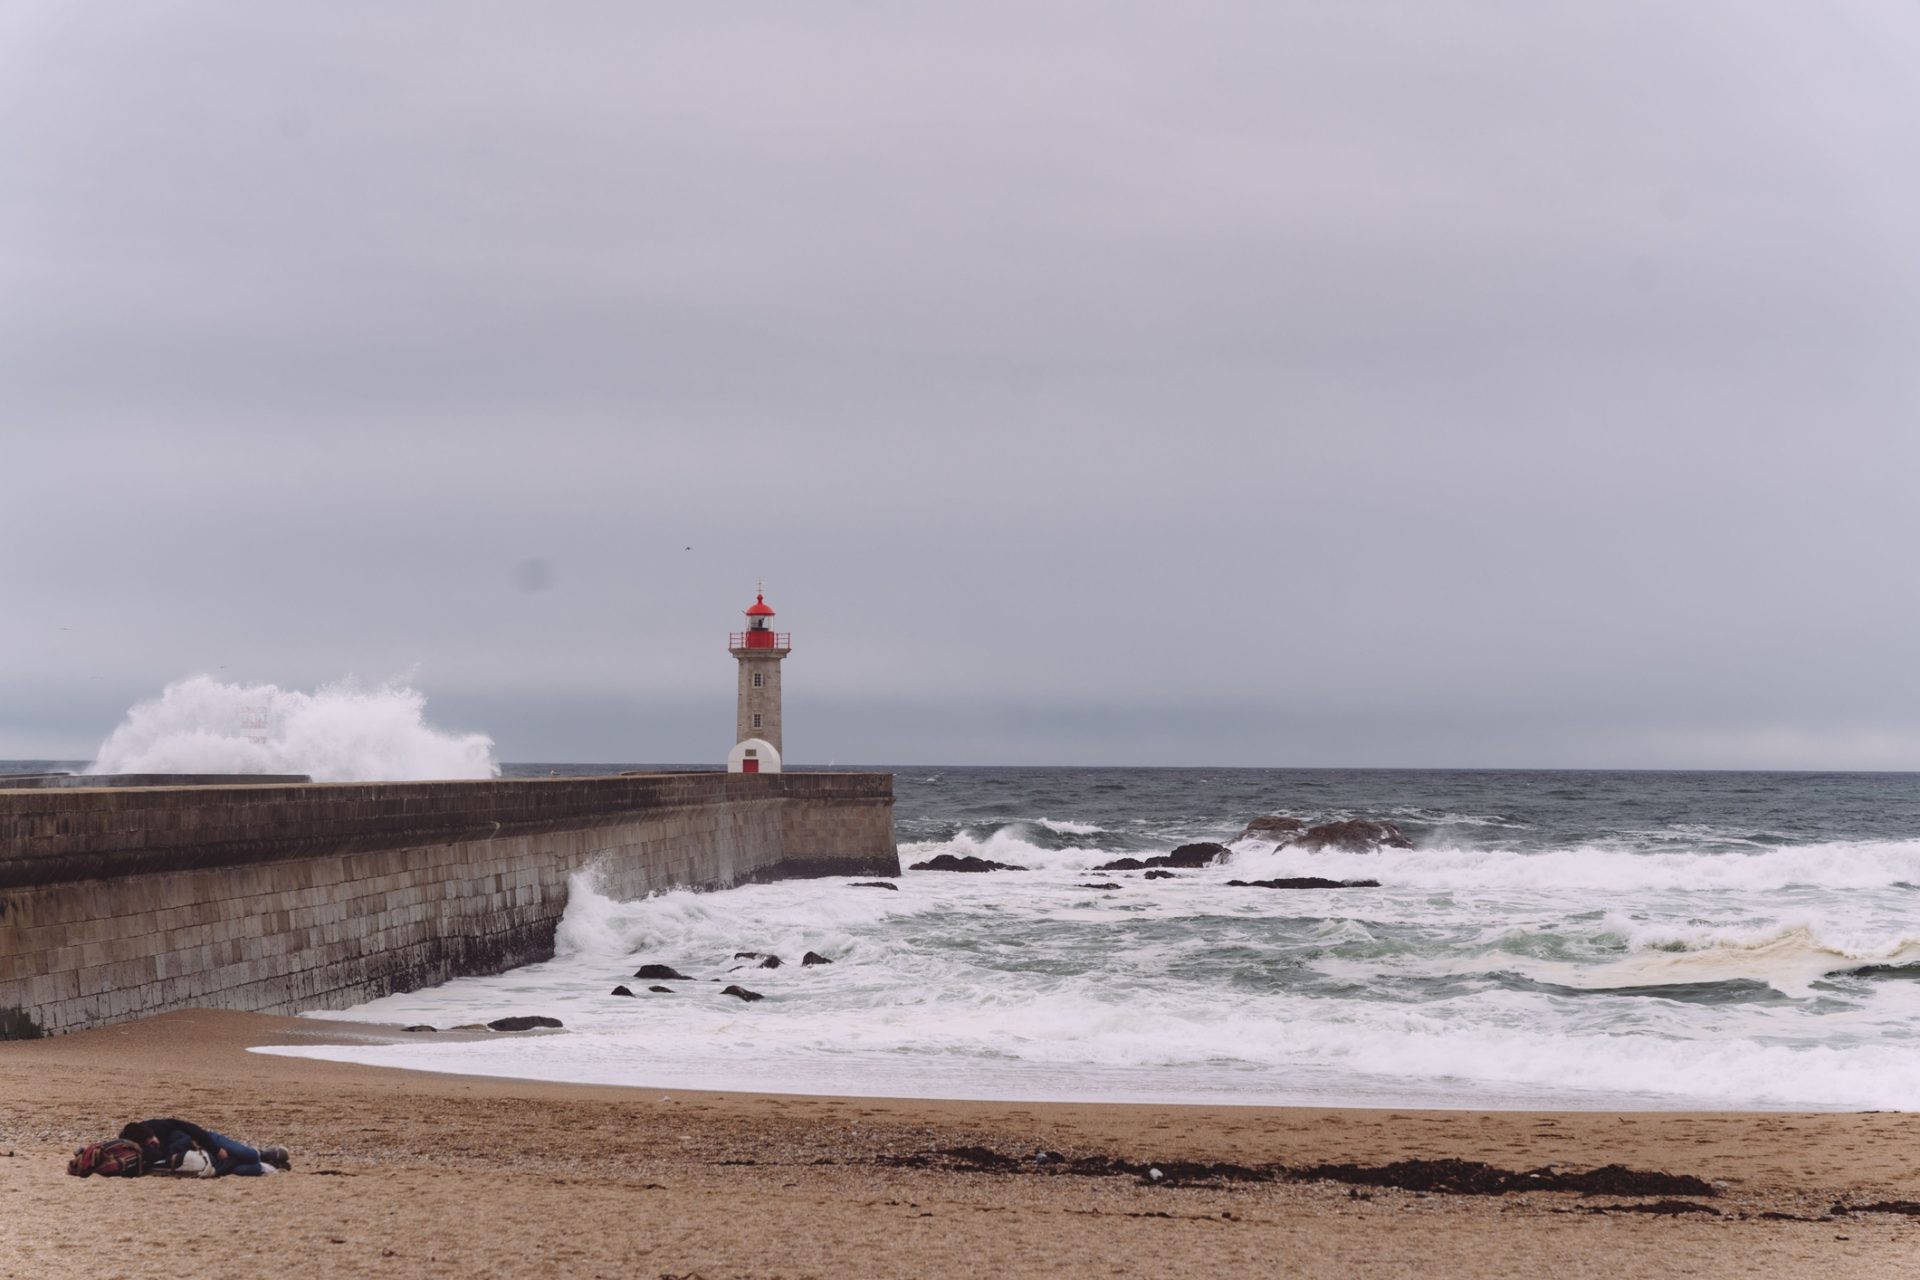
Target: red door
[[749, 765]]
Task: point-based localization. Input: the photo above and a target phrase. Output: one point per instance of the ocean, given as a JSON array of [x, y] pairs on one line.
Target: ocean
[[1552, 940]]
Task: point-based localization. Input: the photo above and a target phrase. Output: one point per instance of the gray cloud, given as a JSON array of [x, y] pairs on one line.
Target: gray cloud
[[1378, 384]]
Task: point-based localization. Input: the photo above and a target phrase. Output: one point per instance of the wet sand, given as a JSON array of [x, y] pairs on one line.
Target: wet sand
[[403, 1174]]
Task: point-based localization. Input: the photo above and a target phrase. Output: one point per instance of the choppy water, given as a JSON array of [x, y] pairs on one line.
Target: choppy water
[[1554, 939]]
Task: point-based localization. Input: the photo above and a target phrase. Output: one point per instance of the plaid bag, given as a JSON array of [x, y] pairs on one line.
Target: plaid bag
[[116, 1159]]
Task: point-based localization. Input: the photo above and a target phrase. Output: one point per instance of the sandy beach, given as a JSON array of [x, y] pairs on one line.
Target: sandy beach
[[412, 1174]]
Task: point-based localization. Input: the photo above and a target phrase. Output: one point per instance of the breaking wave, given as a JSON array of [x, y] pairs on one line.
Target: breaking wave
[[338, 733]]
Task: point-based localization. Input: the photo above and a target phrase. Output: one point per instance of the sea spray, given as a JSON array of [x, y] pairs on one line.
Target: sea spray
[[341, 732]]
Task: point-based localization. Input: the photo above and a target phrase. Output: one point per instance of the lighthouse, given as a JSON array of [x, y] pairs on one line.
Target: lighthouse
[[756, 731]]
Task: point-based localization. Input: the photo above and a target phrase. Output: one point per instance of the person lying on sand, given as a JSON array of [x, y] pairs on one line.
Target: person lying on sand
[[167, 1144]]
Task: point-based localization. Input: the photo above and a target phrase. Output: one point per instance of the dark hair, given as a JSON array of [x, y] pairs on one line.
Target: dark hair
[[137, 1132]]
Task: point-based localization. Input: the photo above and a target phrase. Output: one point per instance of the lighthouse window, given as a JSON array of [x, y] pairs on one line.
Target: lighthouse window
[[759, 678], [756, 719]]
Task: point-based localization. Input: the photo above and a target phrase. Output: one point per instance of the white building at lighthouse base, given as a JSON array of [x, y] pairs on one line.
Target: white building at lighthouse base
[[753, 755]]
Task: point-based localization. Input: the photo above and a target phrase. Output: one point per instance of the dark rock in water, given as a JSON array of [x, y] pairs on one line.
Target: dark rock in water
[[470, 1026], [665, 991], [1883, 971], [661, 973], [947, 862], [1355, 835], [1303, 882], [526, 1023], [422, 1027], [1274, 827], [746, 955], [1160, 875], [742, 993], [1189, 856], [621, 991], [771, 962], [874, 884], [1097, 886], [813, 958]]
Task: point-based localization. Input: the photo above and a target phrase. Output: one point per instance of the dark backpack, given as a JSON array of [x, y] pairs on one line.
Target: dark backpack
[[118, 1158]]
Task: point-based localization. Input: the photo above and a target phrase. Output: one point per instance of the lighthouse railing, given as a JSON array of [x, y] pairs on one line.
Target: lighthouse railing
[[759, 640]]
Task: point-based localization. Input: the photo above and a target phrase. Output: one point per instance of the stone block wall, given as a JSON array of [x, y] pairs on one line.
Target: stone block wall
[[121, 903]]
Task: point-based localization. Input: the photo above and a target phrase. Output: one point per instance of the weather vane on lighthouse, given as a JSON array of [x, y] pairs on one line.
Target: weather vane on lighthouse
[[759, 650]]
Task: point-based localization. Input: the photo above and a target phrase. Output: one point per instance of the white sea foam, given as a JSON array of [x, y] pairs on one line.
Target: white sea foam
[[1025, 986], [1067, 828], [1826, 866], [338, 733]]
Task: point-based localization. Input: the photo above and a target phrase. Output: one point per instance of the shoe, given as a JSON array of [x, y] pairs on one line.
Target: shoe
[[277, 1157]]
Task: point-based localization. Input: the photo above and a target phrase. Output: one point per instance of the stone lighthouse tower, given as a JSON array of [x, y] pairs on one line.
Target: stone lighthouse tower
[[759, 650]]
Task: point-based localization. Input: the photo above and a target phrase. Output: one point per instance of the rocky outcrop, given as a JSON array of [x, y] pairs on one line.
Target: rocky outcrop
[[1275, 827], [947, 862], [1108, 885], [1157, 874], [812, 958], [660, 973], [622, 991], [665, 991], [875, 884], [1187, 856], [741, 993], [1355, 835], [525, 1023], [771, 962]]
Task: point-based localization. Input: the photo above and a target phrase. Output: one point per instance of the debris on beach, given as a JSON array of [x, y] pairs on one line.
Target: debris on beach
[[947, 862], [660, 973], [1446, 1177], [524, 1022], [741, 993], [1911, 1208], [1663, 1208], [1475, 1178]]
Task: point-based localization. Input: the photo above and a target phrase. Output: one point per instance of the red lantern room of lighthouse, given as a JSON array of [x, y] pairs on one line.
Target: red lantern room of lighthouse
[[759, 650]]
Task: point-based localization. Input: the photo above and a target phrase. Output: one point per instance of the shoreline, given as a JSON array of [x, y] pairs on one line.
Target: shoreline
[[359, 1034], [400, 1172]]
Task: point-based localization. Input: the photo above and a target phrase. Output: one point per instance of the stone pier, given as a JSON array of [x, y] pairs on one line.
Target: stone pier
[[118, 903]]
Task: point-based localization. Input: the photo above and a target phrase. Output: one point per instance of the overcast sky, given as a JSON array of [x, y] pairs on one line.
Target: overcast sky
[[1308, 384]]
